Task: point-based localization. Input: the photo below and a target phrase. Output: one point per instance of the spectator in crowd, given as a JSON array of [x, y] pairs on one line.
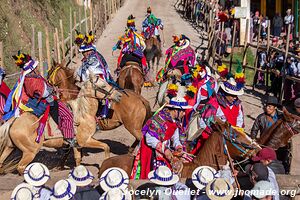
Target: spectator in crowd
[[297, 106], [63, 190], [23, 191], [37, 174], [262, 64], [275, 42], [253, 173], [164, 178], [82, 177], [219, 189], [262, 190], [267, 156], [114, 178], [116, 194], [277, 25], [264, 28], [266, 119], [289, 20], [256, 22], [275, 77]]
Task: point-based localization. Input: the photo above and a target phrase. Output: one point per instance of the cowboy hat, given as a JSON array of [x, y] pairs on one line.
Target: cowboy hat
[[114, 178], [219, 189], [81, 176], [36, 174], [178, 103], [271, 100], [63, 190], [163, 176], [230, 86], [23, 191], [202, 175], [116, 194]]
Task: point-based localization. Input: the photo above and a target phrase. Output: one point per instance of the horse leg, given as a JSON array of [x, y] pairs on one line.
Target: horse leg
[[92, 143], [27, 157], [6, 152], [77, 156]]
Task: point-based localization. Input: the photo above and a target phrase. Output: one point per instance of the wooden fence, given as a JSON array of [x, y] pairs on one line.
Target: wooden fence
[[215, 32], [63, 48]]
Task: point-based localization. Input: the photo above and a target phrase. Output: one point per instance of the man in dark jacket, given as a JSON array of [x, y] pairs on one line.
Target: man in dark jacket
[[266, 119]]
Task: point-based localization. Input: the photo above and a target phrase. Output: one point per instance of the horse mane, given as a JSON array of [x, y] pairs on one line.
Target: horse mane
[[265, 137]]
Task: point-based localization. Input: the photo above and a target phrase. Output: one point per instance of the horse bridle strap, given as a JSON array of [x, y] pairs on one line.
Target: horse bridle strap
[[289, 128]]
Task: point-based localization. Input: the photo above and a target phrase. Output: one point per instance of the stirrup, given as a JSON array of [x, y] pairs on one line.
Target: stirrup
[[72, 142]]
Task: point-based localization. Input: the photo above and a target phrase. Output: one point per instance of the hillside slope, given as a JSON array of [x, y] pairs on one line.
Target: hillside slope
[[17, 16]]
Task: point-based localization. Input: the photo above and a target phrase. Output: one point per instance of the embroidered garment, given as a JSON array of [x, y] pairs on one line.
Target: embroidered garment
[[95, 64], [159, 133], [151, 26]]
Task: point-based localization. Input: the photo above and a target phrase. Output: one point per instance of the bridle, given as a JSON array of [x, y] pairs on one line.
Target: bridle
[[98, 89], [231, 136], [53, 75], [291, 128]]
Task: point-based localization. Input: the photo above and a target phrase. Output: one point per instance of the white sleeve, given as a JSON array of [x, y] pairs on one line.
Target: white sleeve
[[220, 114], [151, 141], [272, 179], [175, 139], [240, 118]]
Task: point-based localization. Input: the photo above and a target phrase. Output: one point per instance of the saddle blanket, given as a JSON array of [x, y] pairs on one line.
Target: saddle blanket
[[51, 130]]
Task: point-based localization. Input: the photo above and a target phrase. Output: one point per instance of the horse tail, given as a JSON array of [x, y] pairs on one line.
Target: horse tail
[[148, 109], [128, 79], [4, 136]]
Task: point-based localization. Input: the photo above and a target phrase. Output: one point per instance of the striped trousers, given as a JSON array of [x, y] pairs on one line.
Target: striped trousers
[[65, 117]]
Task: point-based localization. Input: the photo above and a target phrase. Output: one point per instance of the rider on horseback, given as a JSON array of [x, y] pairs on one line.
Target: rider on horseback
[[225, 105], [133, 47], [151, 25], [164, 127], [33, 94], [179, 56], [93, 61]]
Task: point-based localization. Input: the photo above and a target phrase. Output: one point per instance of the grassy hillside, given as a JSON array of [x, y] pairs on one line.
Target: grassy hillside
[[16, 17]]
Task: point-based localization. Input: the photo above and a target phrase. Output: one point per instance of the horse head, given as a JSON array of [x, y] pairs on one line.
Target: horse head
[[280, 133], [106, 90], [239, 144]]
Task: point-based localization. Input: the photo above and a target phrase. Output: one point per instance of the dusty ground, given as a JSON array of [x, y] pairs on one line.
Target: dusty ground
[[119, 139]]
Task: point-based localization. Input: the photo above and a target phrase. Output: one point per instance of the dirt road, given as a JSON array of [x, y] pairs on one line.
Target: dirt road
[[119, 139]]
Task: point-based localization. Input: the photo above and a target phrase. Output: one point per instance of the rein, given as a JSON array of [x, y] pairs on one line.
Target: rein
[[232, 138], [53, 75], [289, 128]]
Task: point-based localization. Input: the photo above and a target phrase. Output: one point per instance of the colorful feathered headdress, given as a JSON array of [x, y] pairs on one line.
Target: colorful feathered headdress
[[239, 76], [130, 21], [85, 42], [222, 69], [21, 59]]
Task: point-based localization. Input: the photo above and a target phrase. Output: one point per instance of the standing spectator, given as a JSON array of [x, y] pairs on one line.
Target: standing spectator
[[277, 25], [288, 19], [256, 21], [37, 174], [23, 191], [264, 28], [63, 190], [82, 177], [261, 190], [251, 27], [266, 156]]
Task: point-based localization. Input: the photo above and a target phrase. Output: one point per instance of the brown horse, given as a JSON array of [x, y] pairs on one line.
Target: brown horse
[[211, 154], [132, 111], [280, 133], [131, 77], [21, 132], [152, 51]]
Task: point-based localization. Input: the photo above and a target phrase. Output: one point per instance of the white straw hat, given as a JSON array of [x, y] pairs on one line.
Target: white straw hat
[[116, 194], [23, 191], [63, 190], [262, 189], [230, 87], [36, 174], [163, 176], [219, 189], [202, 175], [81, 176], [114, 178], [178, 103]]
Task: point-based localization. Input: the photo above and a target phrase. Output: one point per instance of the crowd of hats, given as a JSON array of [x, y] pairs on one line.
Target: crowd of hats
[[114, 182]]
